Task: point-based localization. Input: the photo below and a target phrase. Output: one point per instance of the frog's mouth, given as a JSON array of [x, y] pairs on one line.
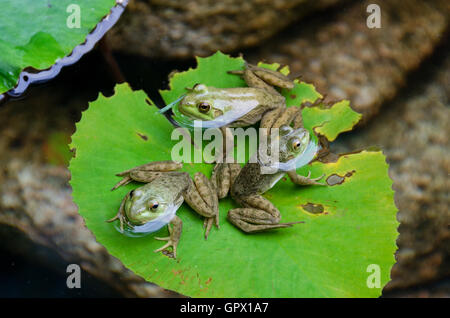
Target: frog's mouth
[[191, 111]]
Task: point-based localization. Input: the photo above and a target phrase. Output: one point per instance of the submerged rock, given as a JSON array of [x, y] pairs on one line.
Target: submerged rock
[[345, 59], [183, 29]]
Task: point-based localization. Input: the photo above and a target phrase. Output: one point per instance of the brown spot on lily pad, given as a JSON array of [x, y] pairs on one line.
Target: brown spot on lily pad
[[293, 96], [313, 208], [169, 254], [350, 173], [144, 137], [335, 179]]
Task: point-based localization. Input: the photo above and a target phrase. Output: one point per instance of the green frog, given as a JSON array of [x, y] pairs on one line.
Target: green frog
[[242, 106], [153, 205], [247, 184]]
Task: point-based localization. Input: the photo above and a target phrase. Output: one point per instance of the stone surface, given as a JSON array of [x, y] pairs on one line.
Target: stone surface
[[183, 29], [35, 197], [413, 131], [347, 60]]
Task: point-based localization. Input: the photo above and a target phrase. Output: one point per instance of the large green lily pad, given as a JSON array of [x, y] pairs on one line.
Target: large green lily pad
[[34, 33], [348, 226]]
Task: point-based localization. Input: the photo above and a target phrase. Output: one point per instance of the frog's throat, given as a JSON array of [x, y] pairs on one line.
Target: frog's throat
[[155, 224], [297, 162]]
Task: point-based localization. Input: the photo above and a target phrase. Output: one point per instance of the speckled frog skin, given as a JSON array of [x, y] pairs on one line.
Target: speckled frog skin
[[260, 101], [165, 190], [247, 184]]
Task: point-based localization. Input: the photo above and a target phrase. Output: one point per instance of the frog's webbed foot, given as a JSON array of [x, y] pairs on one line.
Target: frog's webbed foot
[[173, 238], [202, 197], [147, 172], [121, 213], [258, 215], [301, 180]]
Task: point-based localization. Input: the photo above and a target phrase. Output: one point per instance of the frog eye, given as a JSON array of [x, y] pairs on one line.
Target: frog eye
[[296, 144], [204, 107], [154, 206]]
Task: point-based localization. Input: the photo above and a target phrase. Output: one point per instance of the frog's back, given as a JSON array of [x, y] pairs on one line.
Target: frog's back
[[170, 184], [251, 181], [265, 101]]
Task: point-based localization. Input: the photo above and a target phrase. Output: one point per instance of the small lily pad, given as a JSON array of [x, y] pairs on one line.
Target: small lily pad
[[332, 121], [36, 33]]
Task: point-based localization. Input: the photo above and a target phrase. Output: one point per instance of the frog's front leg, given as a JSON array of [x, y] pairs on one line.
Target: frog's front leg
[[202, 197], [121, 213], [301, 180], [174, 236], [147, 173], [258, 214]]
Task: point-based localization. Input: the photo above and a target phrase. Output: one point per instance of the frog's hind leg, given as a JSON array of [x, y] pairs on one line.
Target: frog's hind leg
[[287, 117], [223, 177], [270, 117], [264, 78], [174, 236], [298, 120], [202, 197], [252, 80], [147, 172], [226, 171], [282, 116], [258, 214], [271, 77]]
